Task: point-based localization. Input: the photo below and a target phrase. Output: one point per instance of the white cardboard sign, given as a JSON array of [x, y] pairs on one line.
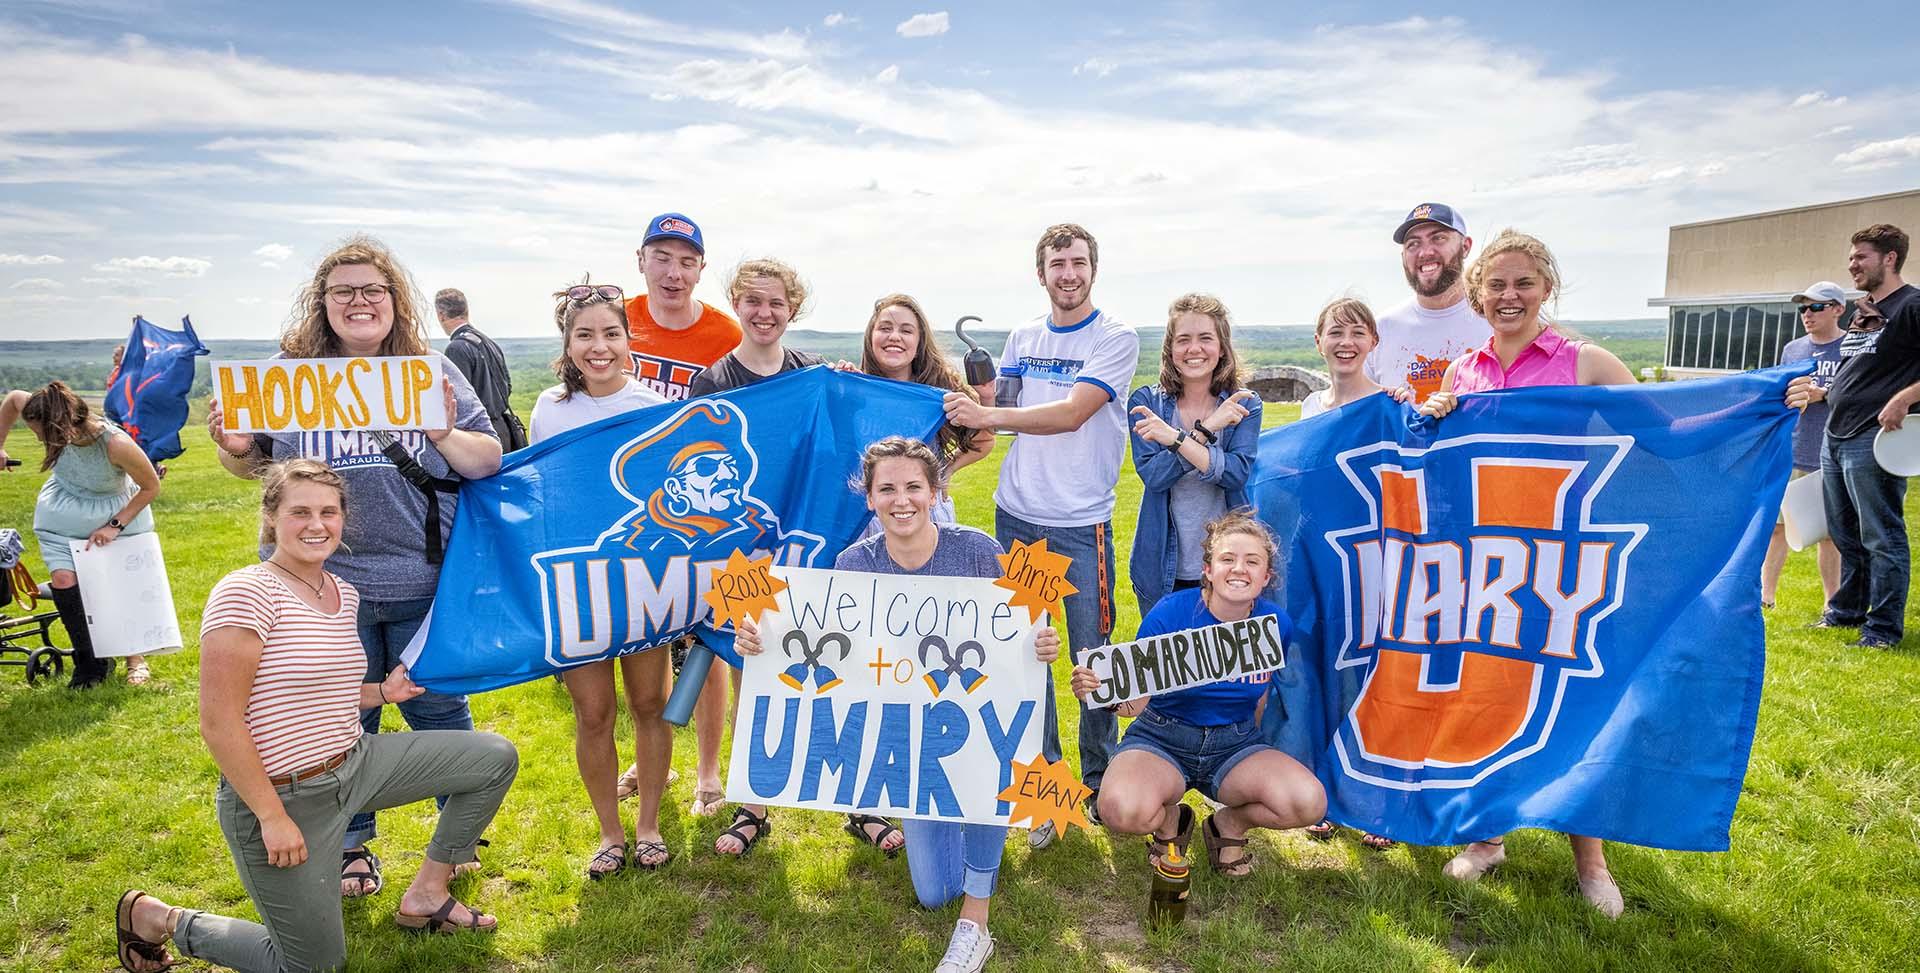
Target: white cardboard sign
[[129, 603]]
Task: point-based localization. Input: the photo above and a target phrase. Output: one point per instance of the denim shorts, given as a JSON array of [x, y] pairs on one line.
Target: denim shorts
[[1205, 755]]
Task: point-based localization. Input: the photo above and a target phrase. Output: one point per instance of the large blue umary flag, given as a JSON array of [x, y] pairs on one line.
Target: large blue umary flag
[[602, 541], [1541, 611], [147, 396]]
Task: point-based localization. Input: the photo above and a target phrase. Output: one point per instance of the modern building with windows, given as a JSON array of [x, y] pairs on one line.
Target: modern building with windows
[[1730, 282]]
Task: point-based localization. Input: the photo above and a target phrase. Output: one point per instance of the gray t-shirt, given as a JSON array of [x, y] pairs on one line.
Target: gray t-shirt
[[383, 550], [961, 552], [728, 374], [1813, 422], [1192, 504]]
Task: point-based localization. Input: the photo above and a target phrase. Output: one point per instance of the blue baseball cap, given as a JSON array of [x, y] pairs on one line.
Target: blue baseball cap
[[676, 227], [1439, 213]]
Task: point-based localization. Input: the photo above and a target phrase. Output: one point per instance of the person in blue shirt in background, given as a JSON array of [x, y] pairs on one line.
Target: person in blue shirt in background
[[1207, 738]]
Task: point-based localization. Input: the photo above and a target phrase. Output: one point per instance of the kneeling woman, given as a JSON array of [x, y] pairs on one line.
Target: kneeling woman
[[281, 690], [1207, 738], [904, 481]]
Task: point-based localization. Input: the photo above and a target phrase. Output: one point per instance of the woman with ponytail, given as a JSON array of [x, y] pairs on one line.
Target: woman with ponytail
[[100, 489]]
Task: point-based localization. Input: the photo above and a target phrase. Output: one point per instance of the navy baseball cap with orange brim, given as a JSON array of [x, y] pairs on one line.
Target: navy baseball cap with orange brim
[[674, 226], [1439, 213]]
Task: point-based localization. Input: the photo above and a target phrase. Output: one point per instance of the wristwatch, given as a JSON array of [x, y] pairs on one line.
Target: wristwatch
[[1177, 440], [114, 522], [1206, 435]]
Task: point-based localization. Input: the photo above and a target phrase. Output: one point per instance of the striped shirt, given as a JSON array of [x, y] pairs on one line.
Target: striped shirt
[[304, 707]]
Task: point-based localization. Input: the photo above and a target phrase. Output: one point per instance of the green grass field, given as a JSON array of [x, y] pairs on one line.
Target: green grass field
[[113, 788]]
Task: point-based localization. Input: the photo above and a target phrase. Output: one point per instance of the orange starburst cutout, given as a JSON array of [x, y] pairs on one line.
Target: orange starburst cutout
[[744, 589], [1044, 792], [1036, 576]]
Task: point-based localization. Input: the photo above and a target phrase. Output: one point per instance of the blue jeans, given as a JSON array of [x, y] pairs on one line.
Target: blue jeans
[[1089, 624], [385, 629], [948, 859], [1868, 529], [1204, 755]]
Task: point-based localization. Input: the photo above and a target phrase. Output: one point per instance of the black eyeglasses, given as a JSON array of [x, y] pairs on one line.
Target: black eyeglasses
[[1811, 308], [343, 294], [582, 293]]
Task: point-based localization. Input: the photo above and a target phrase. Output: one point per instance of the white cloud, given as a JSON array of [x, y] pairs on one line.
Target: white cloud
[[837, 18], [1097, 66], [272, 254], [1818, 98], [1880, 155], [654, 34], [888, 74], [923, 25], [28, 260], [37, 284], [170, 266]]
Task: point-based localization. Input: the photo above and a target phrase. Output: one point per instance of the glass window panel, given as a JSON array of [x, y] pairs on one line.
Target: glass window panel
[[1758, 327], [1676, 335], [1722, 337]]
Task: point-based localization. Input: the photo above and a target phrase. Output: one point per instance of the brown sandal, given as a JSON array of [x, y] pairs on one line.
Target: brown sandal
[[132, 948], [1182, 835], [1216, 843], [442, 920]]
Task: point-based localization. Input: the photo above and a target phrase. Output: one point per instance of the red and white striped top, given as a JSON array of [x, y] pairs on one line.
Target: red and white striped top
[[304, 708]]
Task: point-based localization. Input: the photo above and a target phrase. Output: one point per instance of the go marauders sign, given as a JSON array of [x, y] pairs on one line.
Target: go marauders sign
[[1178, 660]]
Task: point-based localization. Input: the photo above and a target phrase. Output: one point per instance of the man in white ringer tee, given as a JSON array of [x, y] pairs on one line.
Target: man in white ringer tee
[[1420, 338], [1060, 377]]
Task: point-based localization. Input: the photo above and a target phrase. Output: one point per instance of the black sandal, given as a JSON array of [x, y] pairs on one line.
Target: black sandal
[[857, 825], [617, 854], [1182, 836], [131, 947], [442, 920], [371, 883], [743, 818], [1216, 843], [644, 848], [1320, 832]]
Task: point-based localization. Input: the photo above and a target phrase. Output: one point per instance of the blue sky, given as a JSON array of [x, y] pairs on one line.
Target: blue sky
[[198, 158]]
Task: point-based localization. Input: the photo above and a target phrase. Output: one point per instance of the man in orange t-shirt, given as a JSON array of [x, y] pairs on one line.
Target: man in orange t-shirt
[[671, 336]]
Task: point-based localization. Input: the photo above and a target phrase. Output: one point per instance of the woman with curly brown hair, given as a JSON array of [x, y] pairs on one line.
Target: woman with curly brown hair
[[361, 303], [100, 490], [899, 345]]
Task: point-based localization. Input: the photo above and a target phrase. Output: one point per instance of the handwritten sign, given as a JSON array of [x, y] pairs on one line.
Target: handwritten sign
[[1036, 576], [1178, 660], [743, 589], [1046, 792], [129, 603], [343, 394], [888, 694]]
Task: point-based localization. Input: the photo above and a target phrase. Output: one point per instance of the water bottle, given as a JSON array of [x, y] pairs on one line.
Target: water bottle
[[1167, 904]]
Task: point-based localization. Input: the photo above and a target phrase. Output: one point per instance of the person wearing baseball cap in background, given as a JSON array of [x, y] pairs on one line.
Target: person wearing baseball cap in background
[[671, 337], [1821, 306], [1420, 338]]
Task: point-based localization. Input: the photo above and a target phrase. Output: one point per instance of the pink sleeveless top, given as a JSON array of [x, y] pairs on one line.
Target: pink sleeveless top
[[1549, 360]]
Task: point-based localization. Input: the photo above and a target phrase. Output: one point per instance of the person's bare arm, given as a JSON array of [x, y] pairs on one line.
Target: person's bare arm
[[1053, 418]]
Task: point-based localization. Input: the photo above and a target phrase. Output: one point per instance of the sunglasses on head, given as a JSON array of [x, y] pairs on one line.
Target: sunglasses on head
[[1811, 308], [582, 293]]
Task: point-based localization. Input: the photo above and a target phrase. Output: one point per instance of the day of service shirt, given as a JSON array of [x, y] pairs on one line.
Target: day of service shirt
[[1878, 365], [1067, 479], [666, 360], [383, 549], [1216, 703], [1813, 421], [553, 415], [1416, 345]]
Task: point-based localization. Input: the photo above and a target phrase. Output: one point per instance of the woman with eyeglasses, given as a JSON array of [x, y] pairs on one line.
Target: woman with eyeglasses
[[594, 386], [360, 303]]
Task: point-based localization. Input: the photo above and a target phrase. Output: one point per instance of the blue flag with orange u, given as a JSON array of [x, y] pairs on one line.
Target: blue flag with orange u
[[147, 396], [603, 541], [1541, 611]]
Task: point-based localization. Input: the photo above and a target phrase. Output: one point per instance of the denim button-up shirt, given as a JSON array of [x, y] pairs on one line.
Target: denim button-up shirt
[[1229, 465]]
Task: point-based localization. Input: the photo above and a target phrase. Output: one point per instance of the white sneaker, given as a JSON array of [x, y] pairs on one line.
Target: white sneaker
[[968, 950], [1040, 837]]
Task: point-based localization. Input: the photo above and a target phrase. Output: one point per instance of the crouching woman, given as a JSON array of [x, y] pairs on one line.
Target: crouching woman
[[281, 690], [1207, 738]]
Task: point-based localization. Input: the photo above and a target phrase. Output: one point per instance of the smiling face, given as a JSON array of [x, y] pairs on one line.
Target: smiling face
[[1237, 571], [1512, 293], [763, 309], [1345, 342], [893, 340], [902, 496], [1067, 274], [1433, 257], [597, 346], [672, 268], [361, 325], [1196, 348], [306, 526]]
